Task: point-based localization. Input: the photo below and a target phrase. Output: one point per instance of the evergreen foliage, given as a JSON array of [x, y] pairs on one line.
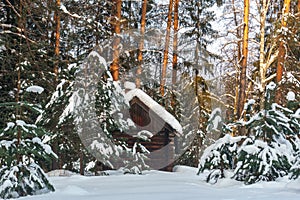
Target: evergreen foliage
[[23, 148], [221, 155], [262, 161], [22, 180], [267, 152], [295, 168]]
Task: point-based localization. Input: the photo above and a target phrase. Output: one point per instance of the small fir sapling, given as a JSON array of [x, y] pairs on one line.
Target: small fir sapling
[[22, 147]]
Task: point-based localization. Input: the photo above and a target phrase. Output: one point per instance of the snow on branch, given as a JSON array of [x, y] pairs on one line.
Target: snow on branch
[[35, 89], [17, 34], [64, 9]]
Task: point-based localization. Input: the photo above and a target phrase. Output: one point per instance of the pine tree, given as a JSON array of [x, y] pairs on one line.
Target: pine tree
[[23, 149], [243, 63], [197, 18], [166, 50], [219, 157], [266, 153], [295, 168]]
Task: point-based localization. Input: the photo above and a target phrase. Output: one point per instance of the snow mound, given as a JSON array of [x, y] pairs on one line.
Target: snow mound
[[185, 169], [60, 172], [74, 190], [294, 185]]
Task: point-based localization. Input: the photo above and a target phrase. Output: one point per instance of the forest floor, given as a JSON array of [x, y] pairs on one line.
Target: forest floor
[[157, 185]]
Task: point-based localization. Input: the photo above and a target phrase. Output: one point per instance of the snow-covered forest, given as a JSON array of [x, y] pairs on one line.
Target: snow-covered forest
[[208, 89]]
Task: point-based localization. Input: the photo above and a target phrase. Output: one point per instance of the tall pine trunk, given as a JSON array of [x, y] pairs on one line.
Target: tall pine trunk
[[175, 49], [239, 55], [141, 45], [282, 50], [243, 67], [55, 162], [21, 26], [243, 63], [114, 68], [166, 52], [262, 56], [57, 37]]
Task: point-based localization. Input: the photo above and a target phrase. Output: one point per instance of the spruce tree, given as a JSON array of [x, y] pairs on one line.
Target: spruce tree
[[23, 149]]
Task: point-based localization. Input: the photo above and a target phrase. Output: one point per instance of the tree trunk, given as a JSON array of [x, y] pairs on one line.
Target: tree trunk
[[281, 50], [20, 24], [166, 52], [114, 68], [57, 37], [175, 49], [262, 56], [55, 162], [243, 64], [81, 162], [141, 45], [239, 55]]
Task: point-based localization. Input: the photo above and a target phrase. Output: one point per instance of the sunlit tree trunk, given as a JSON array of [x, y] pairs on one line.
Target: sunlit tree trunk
[[175, 49], [243, 63], [114, 68], [282, 50], [166, 52], [141, 45]]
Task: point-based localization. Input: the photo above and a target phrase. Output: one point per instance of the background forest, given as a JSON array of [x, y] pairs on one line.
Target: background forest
[[227, 70]]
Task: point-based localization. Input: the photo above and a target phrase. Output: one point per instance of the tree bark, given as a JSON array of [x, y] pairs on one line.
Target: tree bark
[[81, 162], [114, 68], [55, 162], [243, 64], [175, 49], [262, 56], [281, 50], [166, 52], [141, 45], [239, 55], [57, 37], [21, 26]]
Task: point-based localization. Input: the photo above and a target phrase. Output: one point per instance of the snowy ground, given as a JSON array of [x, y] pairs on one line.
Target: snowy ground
[[156, 185]]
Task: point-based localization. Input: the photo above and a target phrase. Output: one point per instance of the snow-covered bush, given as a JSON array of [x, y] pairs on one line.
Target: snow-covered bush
[[220, 156], [21, 180], [295, 169], [262, 161], [268, 150], [139, 154], [215, 122]]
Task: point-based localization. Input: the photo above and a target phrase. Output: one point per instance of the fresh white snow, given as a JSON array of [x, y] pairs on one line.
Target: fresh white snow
[[182, 184], [129, 85], [291, 96], [35, 89], [9, 125]]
